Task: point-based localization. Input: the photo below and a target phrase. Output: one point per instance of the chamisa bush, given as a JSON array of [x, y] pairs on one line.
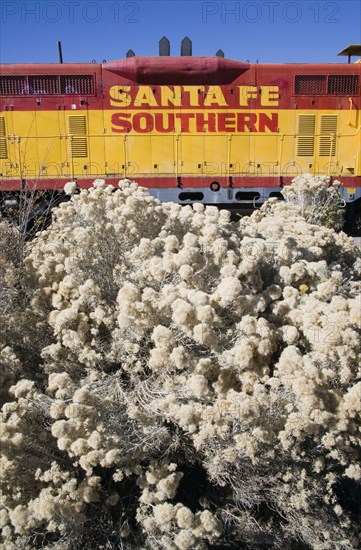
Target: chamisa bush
[[172, 380], [318, 198]]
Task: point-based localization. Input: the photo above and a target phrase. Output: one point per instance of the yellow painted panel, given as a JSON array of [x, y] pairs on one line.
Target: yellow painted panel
[[138, 154], [39, 138], [114, 152], [357, 168], [242, 154], [216, 155], [163, 154], [9, 167], [51, 150], [191, 154], [97, 146]]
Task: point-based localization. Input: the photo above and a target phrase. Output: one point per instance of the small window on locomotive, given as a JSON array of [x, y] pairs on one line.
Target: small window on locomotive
[[44, 85], [77, 84], [12, 85], [343, 84], [310, 84]]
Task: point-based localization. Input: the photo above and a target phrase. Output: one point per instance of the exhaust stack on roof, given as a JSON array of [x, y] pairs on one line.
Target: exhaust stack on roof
[[164, 46], [60, 52], [186, 46]]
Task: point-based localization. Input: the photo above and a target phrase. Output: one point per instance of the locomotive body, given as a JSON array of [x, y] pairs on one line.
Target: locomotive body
[[191, 129]]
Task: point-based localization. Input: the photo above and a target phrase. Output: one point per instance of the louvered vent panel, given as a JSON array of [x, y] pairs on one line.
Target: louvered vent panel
[[43, 85], [78, 142], [77, 124], [12, 85], [3, 144], [306, 124], [328, 130], [305, 137], [77, 84], [344, 84], [312, 84]]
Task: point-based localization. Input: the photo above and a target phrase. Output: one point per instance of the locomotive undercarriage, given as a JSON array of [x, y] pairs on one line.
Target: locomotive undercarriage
[[31, 210]]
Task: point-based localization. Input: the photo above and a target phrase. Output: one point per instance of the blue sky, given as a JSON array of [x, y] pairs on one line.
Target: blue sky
[[271, 31]]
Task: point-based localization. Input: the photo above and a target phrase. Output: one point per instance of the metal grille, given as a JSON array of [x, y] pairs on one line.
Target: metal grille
[[46, 84], [3, 144], [12, 85], [78, 141], [310, 84], [306, 135], [328, 129], [343, 84], [77, 84]]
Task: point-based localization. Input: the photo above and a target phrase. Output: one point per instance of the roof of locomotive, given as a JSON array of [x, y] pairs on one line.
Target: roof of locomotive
[[162, 64], [179, 70]]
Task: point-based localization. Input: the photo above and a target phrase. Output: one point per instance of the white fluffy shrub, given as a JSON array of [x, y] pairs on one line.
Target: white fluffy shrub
[[198, 384], [318, 198]]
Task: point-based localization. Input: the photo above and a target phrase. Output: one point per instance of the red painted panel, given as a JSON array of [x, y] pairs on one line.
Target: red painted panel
[[188, 182], [185, 71]]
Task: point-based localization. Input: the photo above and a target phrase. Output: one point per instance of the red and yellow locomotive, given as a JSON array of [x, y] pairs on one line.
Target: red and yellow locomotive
[[191, 129]]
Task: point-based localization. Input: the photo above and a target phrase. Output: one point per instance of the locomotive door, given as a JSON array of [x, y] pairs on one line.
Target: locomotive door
[[115, 155], [163, 155], [9, 147], [137, 155], [203, 155], [19, 147], [216, 163], [191, 154], [32, 138], [49, 148]]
